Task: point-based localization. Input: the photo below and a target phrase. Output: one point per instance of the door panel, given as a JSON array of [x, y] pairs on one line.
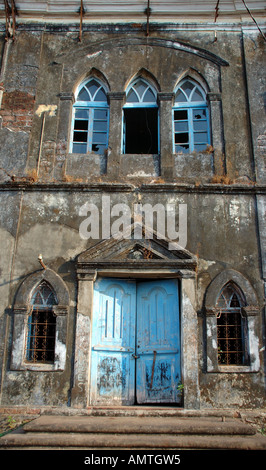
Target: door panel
[[135, 342], [112, 364], [158, 367]]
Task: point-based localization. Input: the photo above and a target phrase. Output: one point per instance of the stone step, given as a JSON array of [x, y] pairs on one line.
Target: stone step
[[152, 411], [138, 425], [112, 432], [94, 441]]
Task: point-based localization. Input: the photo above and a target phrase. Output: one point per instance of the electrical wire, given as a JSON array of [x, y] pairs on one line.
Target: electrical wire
[[249, 12]]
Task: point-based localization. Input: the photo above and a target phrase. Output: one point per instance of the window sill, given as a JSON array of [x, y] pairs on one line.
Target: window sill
[[41, 367], [87, 154], [140, 154], [140, 164], [234, 369], [27, 366]]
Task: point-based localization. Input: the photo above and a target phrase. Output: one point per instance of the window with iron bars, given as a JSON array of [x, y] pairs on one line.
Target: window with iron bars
[[231, 328], [42, 326]]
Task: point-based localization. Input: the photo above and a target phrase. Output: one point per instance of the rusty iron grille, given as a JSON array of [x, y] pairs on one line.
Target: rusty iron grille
[[231, 329], [42, 326]]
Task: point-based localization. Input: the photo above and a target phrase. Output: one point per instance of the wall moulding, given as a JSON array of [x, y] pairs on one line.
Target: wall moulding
[[143, 41]]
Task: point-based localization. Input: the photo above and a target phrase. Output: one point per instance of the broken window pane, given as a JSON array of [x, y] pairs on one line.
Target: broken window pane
[[199, 113], [182, 148], [182, 138], [80, 136], [91, 119], [180, 115], [81, 125], [191, 118]]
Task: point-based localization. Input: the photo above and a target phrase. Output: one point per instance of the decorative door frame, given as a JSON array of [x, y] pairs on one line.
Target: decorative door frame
[[136, 259]]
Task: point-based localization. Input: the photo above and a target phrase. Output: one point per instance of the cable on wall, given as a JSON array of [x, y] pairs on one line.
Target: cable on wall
[[250, 14]]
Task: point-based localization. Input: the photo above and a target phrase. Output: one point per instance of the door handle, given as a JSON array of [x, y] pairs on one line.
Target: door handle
[[135, 356]]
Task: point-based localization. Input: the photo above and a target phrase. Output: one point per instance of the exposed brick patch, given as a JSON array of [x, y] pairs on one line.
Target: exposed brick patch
[[47, 159], [262, 143], [61, 150], [17, 111], [60, 159]]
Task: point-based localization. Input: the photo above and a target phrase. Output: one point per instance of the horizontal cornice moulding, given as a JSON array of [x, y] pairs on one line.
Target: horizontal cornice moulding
[[119, 26], [130, 187], [133, 7]]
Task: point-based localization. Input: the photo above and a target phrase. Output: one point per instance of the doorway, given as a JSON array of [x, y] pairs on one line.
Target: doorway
[[135, 357]]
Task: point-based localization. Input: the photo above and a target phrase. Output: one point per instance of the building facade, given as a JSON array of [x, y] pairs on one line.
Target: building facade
[[132, 204]]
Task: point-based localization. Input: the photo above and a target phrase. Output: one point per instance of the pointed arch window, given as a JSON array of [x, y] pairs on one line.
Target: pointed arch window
[[41, 331], [191, 128], [140, 119], [232, 330], [90, 124]]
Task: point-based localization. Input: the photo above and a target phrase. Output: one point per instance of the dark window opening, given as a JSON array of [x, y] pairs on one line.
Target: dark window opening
[[141, 130], [232, 330], [42, 326], [41, 336]]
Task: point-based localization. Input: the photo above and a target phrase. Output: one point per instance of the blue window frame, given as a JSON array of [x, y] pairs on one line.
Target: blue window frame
[[90, 123], [140, 119], [191, 128]]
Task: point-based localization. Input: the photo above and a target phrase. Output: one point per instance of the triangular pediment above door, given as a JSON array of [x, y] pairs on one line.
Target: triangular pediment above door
[[138, 247]]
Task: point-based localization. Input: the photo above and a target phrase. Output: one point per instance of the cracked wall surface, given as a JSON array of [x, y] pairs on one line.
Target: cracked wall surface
[[43, 186]]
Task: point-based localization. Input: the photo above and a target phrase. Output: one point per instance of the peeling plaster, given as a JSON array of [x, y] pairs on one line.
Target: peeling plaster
[[60, 353], [93, 55], [253, 346], [18, 346], [49, 109], [205, 264]]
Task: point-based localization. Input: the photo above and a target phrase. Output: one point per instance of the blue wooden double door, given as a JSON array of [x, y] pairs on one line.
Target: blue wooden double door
[[135, 356]]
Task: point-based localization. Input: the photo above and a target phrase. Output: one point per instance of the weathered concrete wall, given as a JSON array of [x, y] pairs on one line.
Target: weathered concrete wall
[[45, 68], [44, 185], [49, 224]]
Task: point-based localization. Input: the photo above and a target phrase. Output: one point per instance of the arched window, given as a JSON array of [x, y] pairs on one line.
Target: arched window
[[90, 119], [231, 327], [140, 124], [191, 129], [42, 325]]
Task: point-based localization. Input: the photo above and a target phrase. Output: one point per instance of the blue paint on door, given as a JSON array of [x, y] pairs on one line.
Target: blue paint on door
[[135, 342], [112, 367], [158, 342]]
